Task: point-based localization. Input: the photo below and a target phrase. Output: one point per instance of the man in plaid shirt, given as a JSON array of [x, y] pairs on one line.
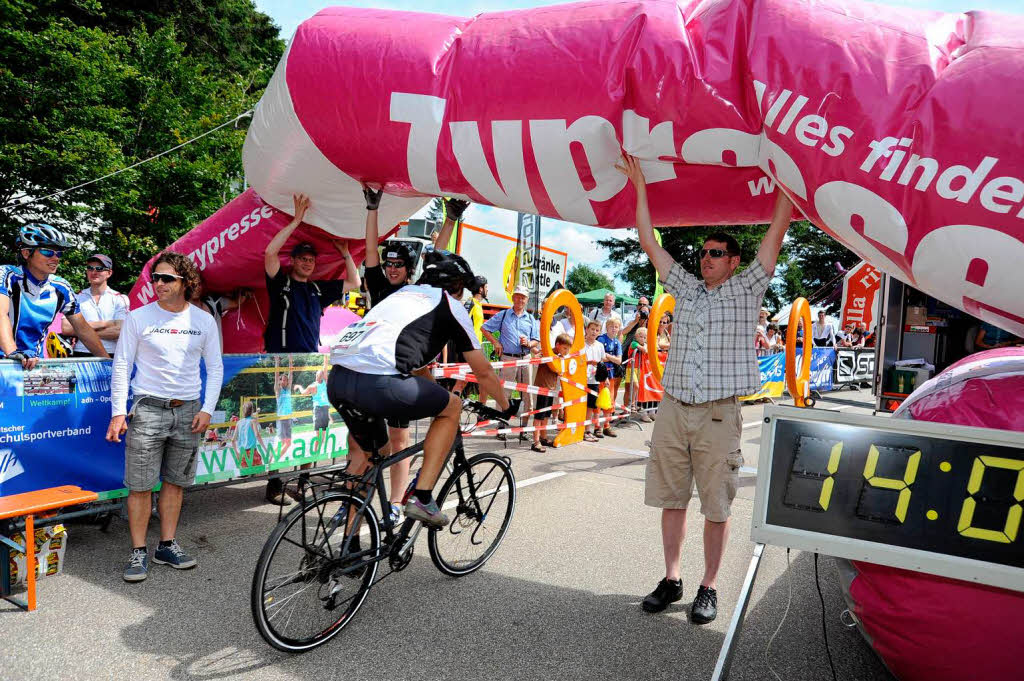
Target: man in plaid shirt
[[711, 362]]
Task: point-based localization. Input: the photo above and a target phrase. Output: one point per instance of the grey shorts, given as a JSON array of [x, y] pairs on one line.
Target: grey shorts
[[284, 429], [160, 445], [321, 417]]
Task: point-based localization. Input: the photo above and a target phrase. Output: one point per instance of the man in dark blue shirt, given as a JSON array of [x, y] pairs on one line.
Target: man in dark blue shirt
[[297, 301]]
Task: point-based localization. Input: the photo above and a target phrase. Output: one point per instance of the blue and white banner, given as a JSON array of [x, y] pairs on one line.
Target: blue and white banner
[[53, 423]]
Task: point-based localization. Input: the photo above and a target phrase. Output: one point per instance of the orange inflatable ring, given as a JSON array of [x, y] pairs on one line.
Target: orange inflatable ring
[[799, 386], [663, 304]]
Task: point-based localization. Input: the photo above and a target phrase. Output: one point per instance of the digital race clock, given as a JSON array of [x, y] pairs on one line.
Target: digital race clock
[[943, 499]]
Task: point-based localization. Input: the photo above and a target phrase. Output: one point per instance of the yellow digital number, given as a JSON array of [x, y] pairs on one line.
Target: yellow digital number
[[895, 484], [829, 483], [1013, 515]]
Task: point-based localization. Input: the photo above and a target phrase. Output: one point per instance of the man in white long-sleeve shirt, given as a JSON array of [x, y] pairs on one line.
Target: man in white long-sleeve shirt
[[164, 341]]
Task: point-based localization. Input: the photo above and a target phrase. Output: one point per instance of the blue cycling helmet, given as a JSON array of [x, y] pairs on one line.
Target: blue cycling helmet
[[40, 234]]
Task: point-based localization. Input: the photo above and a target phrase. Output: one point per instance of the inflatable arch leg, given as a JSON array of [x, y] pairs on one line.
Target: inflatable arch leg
[[572, 368], [799, 386]]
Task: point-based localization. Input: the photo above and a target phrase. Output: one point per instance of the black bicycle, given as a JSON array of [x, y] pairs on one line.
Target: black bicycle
[[322, 558]]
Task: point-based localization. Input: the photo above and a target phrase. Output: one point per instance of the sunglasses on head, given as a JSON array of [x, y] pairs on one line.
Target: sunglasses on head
[[50, 252], [97, 268], [166, 278], [394, 264], [713, 252]]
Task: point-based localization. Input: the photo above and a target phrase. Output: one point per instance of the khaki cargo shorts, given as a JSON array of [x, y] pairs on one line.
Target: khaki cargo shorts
[[695, 442]]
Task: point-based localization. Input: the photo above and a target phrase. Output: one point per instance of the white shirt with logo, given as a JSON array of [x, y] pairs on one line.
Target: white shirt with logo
[[165, 348], [111, 306]]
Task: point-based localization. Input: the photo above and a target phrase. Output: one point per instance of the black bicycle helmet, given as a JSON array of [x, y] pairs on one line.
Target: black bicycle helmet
[[396, 250], [41, 235], [478, 284], [446, 270]]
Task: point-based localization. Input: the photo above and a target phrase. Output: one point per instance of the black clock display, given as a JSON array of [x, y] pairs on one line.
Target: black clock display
[[915, 491]]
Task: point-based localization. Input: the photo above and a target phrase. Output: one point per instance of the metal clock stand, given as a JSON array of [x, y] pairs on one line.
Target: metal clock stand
[[725, 654]]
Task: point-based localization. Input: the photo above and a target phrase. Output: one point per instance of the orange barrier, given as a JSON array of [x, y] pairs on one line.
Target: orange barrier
[[799, 386], [573, 368]]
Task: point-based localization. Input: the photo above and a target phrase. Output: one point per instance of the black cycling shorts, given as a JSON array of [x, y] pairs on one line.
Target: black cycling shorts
[[543, 402], [368, 403]]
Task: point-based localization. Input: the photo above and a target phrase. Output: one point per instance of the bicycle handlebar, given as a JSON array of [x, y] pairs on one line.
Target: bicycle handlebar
[[493, 414]]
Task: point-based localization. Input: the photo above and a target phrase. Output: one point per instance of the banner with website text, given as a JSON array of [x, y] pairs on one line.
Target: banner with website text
[[773, 372], [272, 414]]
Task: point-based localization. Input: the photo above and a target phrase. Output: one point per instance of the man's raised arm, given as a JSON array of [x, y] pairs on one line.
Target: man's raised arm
[[660, 258], [768, 253], [271, 261], [371, 258]]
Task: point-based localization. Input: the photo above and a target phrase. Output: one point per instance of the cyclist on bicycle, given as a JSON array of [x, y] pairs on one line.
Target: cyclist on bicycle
[[32, 294], [377, 372]]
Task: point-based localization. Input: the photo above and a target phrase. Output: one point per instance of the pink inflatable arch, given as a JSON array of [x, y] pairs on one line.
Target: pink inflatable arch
[[895, 131]]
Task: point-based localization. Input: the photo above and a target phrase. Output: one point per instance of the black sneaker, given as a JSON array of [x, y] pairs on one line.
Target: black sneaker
[[666, 592], [705, 606]]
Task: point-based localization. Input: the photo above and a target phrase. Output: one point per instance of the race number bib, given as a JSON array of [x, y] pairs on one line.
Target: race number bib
[[352, 335]]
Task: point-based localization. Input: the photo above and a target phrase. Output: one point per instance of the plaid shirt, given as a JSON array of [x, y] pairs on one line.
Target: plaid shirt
[[712, 353]]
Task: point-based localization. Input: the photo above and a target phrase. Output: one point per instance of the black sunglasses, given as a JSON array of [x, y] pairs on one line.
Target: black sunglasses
[[713, 252], [167, 278], [393, 264], [97, 268]]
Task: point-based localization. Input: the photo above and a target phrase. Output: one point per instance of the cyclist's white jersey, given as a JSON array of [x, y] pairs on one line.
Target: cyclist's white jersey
[[404, 332]]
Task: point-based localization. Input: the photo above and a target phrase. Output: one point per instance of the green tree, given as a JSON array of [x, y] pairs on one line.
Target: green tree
[[807, 264], [683, 244], [89, 87], [583, 278]]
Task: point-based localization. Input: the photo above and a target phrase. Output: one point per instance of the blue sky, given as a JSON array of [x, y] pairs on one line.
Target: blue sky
[[578, 240]]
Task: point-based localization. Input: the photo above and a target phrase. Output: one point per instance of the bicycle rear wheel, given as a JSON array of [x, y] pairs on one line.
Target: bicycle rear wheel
[[307, 586], [483, 498]]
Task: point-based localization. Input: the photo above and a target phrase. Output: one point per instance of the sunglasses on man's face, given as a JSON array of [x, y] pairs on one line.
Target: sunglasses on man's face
[[167, 278], [394, 265], [97, 268], [713, 252], [50, 252]]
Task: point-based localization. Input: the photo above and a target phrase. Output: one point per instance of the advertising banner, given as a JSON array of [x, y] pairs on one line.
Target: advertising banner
[[773, 372], [528, 250], [493, 255], [860, 291], [53, 423], [855, 365]]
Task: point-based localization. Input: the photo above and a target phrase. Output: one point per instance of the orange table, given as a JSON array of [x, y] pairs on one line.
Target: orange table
[[29, 504]]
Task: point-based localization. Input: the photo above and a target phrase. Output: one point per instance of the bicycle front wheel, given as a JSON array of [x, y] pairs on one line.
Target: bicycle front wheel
[[482, 496], [309, 582]]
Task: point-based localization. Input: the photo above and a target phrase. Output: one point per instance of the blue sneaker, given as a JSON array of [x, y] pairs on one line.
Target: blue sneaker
[[428, 513], [173, 555], [395, 515], [138, 566]]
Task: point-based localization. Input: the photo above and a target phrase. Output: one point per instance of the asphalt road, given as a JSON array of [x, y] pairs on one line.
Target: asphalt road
[[560, 599]]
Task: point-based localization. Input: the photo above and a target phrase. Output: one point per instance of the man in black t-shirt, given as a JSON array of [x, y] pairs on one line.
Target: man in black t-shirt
[[297, 301], [383, 279]]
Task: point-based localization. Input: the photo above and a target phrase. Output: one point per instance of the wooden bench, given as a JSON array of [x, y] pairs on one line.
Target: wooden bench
[[28, 505]]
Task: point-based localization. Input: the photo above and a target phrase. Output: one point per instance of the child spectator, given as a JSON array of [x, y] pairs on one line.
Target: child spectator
[[636, 348], [594, 352], [248, 438], [547, 377], [612, 362]]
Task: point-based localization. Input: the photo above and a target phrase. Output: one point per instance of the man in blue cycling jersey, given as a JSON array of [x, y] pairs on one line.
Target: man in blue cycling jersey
[[377, 372], [32, 294]]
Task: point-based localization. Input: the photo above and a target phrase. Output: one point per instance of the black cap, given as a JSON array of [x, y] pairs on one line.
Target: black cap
[[304, 247]]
